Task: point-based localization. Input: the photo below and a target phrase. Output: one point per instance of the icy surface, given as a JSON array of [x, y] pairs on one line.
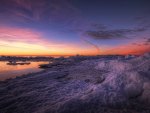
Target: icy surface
[[90, 86]]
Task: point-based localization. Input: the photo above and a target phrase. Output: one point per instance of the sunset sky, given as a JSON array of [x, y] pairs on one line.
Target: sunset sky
[[70, 27]]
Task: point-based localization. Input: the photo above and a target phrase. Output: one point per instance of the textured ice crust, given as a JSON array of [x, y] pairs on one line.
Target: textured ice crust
[[91, 86]]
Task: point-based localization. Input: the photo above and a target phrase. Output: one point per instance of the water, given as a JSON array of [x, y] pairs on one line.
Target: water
[[11, 71]]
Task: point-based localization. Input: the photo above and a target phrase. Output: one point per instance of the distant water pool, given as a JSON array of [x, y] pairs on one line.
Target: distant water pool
[[11, 71]]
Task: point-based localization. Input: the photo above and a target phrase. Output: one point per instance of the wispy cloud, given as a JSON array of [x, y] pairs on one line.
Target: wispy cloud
[[112, 34], [26, 41], [40, 11], [56, 15], [9, 36]]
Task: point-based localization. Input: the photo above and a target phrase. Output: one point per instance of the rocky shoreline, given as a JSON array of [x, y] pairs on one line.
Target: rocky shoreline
[[91, 85]]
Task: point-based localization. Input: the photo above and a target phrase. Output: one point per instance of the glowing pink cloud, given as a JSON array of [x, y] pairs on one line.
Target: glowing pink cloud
[[21, 41], [22, 35]]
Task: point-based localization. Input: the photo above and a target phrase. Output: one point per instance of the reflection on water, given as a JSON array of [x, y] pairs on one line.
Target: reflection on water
[[11, 71]]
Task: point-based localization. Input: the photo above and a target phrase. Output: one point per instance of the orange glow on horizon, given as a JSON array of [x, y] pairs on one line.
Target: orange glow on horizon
[[25, 42], [128, 49], [14, 41]]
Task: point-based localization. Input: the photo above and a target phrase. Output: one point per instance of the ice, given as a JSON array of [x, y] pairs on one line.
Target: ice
[[89, 86]]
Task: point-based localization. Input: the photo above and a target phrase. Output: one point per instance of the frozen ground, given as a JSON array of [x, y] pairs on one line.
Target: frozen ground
[[90, 86]]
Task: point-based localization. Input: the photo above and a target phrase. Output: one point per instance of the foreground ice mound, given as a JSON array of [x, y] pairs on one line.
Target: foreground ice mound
[[90, 86]]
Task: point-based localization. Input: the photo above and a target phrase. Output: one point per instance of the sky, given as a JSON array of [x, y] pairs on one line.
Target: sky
[[70, 27]]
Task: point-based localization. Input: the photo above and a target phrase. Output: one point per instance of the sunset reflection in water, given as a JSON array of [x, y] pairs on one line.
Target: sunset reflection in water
[[11, 71]]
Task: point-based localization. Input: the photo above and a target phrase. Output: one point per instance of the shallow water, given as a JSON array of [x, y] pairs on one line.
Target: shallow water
[[11, 71]]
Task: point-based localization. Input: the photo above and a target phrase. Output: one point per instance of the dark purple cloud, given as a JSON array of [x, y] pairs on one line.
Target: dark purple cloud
[[112, 34], [147, 42]]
